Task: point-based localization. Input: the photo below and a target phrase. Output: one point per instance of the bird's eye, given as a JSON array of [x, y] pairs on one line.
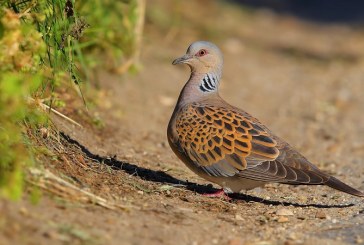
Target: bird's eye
[[201, 52]]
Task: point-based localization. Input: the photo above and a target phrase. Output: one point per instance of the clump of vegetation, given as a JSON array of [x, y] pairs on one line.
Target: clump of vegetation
[[21, 49], [115, 28], [44, 44]]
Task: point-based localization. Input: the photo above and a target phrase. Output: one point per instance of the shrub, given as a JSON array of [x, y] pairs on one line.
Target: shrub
[[44, 43]]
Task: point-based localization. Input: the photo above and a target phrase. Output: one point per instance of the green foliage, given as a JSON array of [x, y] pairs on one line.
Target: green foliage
[[111, 28], [44, 43], [21, 48], [13, 110]]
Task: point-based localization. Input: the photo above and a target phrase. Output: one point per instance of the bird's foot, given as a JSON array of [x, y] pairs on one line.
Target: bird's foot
[[220, 193]]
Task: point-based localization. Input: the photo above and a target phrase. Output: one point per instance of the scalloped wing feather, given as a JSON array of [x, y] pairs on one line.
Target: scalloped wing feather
[[222, 140]]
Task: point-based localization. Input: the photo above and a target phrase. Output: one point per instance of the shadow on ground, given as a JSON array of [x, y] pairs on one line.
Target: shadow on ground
[[162, 177]]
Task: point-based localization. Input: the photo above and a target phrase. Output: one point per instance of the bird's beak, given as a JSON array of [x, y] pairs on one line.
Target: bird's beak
[[184, 59]]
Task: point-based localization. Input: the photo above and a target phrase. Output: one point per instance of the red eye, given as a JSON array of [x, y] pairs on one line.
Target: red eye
[[201, 52]]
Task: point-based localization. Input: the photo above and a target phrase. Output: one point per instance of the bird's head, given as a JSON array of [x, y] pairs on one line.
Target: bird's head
[[202, 57]]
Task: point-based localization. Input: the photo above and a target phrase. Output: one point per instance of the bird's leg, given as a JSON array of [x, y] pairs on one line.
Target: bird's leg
[[220, 193]]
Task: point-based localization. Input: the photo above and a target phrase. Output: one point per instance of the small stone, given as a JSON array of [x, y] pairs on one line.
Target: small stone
[[44, 132], [301, 217], [263, 219], [238, 217], [321, 215], [140, 192], [302, 198], [24, 211], [282, 219], [292, 236], [51, 234], [284, 212], [359, 240]]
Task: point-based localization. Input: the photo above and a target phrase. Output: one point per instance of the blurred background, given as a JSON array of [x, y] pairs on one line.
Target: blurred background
[[87, 89], [326, 11]]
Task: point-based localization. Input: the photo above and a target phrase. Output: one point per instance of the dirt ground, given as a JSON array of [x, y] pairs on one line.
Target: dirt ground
[[305, 81]]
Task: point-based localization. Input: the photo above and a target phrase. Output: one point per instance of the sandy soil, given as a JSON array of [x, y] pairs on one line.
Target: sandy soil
[[303, 80]]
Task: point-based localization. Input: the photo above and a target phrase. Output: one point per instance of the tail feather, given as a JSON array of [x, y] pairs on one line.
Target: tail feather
[[341, 186]]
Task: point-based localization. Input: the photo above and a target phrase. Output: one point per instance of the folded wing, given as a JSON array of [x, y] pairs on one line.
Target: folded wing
[[222, 141]]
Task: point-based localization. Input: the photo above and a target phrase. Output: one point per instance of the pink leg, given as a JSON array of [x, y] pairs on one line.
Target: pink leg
[[220, 193]]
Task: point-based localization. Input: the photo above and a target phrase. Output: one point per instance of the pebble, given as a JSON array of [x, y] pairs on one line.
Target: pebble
[[282, 219], [140, 192], [24, 211], [292, 237], [302, 198], [215, 241], [263, 219], [284, 212], [44, 132], [51, 234], [321, 215], [359, 240], [238, 217], [301, 217]]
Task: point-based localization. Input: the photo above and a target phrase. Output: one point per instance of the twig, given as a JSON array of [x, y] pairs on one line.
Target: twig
[[44, 178], [46, 107]]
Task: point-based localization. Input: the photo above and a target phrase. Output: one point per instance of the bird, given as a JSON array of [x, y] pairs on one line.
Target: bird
[[226, 145]]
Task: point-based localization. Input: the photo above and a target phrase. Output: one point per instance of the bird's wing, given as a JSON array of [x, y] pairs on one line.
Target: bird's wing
[[222, 141], [290, 167], [225, 141]]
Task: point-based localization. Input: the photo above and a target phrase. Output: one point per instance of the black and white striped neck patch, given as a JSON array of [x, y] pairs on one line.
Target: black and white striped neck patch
[[208, 83]]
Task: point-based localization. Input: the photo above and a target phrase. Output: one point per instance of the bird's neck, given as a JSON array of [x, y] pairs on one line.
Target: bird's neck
[[199, 87], [193, 92]]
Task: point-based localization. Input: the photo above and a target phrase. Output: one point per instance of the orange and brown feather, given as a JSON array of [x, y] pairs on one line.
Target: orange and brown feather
[[208, 134]]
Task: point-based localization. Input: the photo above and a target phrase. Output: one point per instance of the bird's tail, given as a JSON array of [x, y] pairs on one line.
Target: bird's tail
[[341, 186]]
